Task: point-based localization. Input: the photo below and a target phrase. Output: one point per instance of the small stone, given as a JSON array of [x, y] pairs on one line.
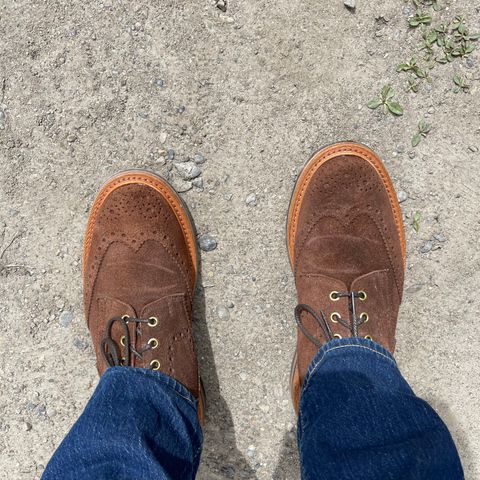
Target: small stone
[[51, 412], [251, 200], [170, 155], [80, 344], [222, 312], [188, 170], [228, 196], [26, 426], [181, 186], [163, 137], [159, 82], [251, 450], [426, 247], [243, 376], [402, 196], [440, 237], [71, 138], [198, 183], [411, 155], [3, 117], [414, 288], [230, 305], [473, 148], [222, 5], [199, 159], [207, 243], [351, 4], [65, 318], [470, 62]]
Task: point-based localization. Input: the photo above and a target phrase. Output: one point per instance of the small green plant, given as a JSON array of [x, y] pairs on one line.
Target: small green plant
[[427, 3], [420, 18], [413, 67], [461, 84], [416, 221], [386, 99], [413, 84], [423, 130]]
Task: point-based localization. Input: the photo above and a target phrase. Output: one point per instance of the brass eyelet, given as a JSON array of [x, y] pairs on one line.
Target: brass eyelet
[[123, 360], [334, 316], [362, 295], [152, 321], [122, 340], [334, 296], [368, 337], [337, 335], [125, 318], [364, 317], [153, 342], [155, 365]]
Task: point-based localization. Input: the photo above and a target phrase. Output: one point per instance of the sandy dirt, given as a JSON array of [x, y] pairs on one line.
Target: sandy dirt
[[89, 88]]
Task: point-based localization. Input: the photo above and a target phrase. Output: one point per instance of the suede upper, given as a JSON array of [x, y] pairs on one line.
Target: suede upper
[[347, 239], [139, 264]]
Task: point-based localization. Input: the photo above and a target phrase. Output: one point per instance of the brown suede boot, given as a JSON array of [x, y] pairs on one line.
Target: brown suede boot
[[347, 250], [140, 265]]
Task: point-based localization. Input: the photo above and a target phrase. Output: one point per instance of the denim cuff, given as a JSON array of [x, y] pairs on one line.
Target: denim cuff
[[341, 346], [159, 377]]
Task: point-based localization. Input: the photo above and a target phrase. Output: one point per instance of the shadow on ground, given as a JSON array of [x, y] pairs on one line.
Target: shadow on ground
[[221, 458], [288, 467]]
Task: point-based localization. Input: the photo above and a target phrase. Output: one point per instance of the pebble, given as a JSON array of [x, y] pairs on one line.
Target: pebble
[[170, 155], [402, 196], [188, 170], [222, 5], [230, 305], [440, 237], [251, 200], [159, 82], [80, 344], [411, 154], [207, 243], [251, 450], [228, 196], [199, 159], [243, 376], [163, 137], [222, 312], [414, 288], [351, 4], [3, 117], [473, 148], [27, 426], [426, 247], [65, 318], [198, 183], [181, 186]]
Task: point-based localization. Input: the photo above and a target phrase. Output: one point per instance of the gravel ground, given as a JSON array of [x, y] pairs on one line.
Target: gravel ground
[[228, 105]]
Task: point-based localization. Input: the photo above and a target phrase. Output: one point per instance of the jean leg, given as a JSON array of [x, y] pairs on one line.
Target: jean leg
[[139, 424], [359, 418]]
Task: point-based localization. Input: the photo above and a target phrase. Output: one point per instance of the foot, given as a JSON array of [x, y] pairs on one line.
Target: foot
[[139, 274], [347, 250]]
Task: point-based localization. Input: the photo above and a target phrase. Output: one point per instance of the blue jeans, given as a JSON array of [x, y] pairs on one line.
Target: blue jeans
[[358, 419]]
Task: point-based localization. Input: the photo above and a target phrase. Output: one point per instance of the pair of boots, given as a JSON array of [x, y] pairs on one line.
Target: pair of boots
[[346, 246]]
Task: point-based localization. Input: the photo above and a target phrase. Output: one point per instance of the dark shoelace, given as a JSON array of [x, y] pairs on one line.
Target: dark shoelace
[[110, 348], [322, 320]]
